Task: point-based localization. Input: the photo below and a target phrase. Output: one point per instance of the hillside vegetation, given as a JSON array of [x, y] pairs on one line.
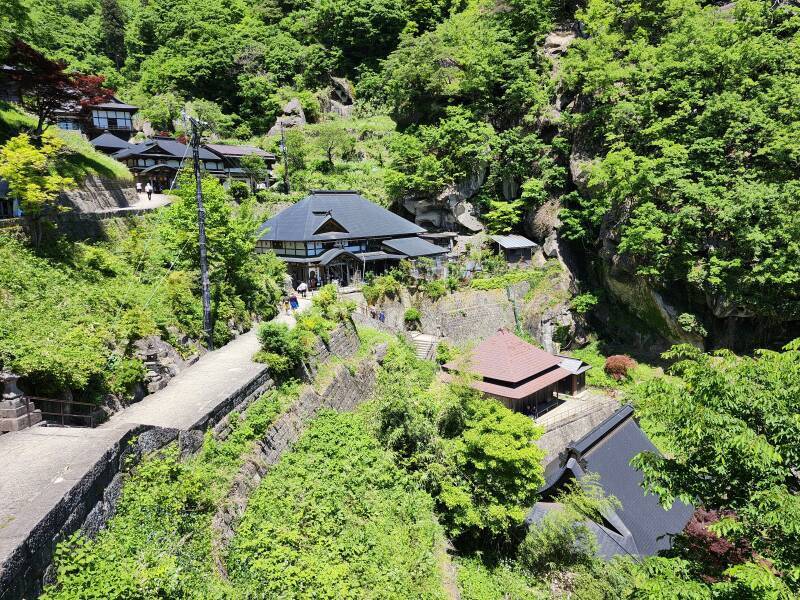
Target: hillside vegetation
[[71, 313]]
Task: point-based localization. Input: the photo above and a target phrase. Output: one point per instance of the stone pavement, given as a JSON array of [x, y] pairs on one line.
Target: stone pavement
[[44, 471], [39, 467]]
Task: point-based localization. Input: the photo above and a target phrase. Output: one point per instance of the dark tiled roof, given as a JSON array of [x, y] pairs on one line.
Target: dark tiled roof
[[357, 215], [238, 151], [414, 246], [109, 140], [505, 357], [164, 146], [607, 450]]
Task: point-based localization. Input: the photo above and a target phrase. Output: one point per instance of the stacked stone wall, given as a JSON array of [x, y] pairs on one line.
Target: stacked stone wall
[[345, 392]]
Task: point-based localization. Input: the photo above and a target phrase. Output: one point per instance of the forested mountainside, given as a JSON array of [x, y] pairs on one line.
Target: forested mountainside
[[666, 134]]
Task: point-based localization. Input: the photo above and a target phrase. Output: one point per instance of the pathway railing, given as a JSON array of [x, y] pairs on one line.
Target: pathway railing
[[555, 419], [60, 412]]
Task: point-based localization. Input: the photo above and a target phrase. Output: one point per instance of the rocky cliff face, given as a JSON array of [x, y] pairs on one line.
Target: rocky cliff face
[[451, 209], [97, 195]]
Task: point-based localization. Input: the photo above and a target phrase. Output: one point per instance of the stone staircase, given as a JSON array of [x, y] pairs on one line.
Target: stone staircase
[[424, 344]]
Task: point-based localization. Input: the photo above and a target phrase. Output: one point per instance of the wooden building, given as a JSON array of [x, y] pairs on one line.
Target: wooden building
[[523, 377], [515, 248], [339, 235]]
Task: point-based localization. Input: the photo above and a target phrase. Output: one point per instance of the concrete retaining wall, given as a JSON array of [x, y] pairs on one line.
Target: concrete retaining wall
[[86, 507]]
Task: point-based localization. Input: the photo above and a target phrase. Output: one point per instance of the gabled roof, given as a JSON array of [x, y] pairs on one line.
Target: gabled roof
[[641, 526], [414, 246], [230, 151], [109, 140], [360, 217], [116, 104], [513, 241], [166, 146], [507, 358]]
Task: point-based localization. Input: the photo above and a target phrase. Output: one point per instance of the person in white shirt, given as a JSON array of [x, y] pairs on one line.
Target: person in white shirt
[[302, 288], [149, 190]]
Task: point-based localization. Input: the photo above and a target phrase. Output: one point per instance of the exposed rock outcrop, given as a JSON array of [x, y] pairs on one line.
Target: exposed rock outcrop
[[293, 116], [339, 99], [452, 207]]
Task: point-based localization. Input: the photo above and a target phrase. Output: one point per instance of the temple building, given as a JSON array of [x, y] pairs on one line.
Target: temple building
[[641, 526], [340, 235], [523, 377]]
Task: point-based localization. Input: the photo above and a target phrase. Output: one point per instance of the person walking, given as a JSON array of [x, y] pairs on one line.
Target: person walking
[[138, 187], [149, 190], [302, 288]]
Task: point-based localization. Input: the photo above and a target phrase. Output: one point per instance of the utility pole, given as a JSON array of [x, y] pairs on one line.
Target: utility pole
[[201, 227], [285, 153]]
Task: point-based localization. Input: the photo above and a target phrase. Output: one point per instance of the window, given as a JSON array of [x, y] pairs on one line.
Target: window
[[315, 248], [293, 248], [68, 125], [112, 119]]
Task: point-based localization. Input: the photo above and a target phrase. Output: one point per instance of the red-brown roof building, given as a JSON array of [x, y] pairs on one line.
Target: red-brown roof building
[[525, 378]]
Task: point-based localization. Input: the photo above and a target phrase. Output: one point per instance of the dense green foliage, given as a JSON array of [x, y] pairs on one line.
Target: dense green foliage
[[158, 545], [336, 516], [693, 109], [71, 315], [730, 426], [477, 458]]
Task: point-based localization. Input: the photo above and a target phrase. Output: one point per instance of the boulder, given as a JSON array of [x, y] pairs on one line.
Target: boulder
[[451, 208], [293, 116]]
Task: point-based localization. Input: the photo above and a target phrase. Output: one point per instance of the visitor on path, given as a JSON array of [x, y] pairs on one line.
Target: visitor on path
[[286, 305], [382, 317], [302, 288], [293, 302], [149, 190], [312, 283], [138, 187]]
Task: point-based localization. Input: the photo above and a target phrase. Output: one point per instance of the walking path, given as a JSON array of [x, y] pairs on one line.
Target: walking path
[[143, 204], [41, 465]]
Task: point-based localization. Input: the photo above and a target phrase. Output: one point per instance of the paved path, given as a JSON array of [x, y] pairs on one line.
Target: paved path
[[40, 466], [197, 390], [157, 201]]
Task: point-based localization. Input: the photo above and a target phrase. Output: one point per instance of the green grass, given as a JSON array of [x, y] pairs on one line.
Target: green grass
[[80, 160], [597, 377], [158, 545], [336, 518], [480, 580]]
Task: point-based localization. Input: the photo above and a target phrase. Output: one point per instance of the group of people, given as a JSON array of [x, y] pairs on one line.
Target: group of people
[[148, 189]]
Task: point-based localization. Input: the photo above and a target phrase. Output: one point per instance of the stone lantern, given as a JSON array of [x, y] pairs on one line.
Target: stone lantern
[[16, 412]]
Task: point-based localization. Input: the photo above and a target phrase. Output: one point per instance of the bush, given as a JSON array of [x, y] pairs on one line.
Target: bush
[[412, 317], [385, 286], [281, 348], [583, 303], [444, 352], [619, 366], [435, 289], [239, 191], [690, 323]]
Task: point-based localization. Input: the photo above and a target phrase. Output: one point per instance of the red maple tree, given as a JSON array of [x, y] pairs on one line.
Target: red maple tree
[[46, 88]]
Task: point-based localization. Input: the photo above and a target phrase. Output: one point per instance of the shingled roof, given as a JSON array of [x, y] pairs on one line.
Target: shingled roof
[[346, 214], [163, 146], [641, 527], [507, 358]]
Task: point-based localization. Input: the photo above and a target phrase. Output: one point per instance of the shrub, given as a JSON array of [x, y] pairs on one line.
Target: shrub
[[281, 348], [583, 303], [690, 323], [444, 352], [380, 288], [239, 191], [412, 317], [435, 289], [619, 366]]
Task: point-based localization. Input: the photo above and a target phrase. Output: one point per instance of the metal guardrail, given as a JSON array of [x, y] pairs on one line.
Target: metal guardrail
[[64, 418]]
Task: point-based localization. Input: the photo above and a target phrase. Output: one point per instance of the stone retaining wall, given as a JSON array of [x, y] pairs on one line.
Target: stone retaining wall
[[86, 507], [345, 392]]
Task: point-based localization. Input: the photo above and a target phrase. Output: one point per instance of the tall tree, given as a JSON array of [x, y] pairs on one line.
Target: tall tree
[[113, 31]]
